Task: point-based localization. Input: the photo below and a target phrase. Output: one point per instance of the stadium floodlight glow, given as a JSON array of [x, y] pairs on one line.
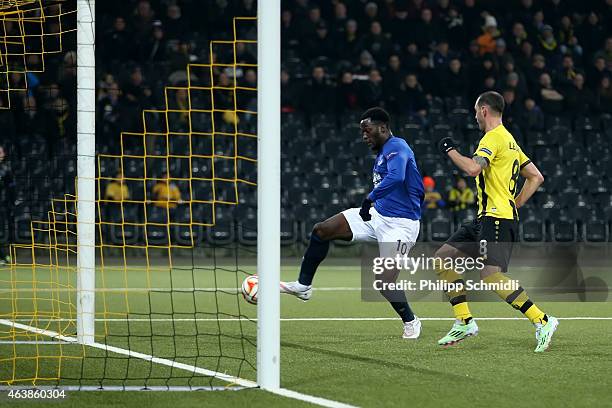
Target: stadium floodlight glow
[[268, 194]]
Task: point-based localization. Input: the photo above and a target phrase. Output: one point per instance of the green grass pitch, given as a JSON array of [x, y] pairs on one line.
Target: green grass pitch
[[360, 362]]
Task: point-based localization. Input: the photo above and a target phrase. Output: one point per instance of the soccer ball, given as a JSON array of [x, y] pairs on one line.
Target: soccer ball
[[249, 289]]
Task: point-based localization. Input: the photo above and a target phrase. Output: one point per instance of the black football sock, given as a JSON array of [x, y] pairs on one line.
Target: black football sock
[[314, 255], [398, 301]]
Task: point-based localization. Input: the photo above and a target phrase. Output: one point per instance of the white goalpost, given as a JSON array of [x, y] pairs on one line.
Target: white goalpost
[[268, 194], [86, 173]]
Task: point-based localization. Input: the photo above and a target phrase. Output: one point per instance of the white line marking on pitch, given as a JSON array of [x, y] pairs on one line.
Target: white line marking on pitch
[[294, 319], [166, 289], [190, 368]]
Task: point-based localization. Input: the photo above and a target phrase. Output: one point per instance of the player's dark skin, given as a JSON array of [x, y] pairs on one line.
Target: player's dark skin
[[374, 134]]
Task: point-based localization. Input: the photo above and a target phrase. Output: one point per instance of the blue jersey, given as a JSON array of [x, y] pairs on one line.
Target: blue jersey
[[398, 185]]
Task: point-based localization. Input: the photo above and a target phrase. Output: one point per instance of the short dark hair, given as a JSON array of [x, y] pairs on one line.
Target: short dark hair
[[493, 100], [376, 114]]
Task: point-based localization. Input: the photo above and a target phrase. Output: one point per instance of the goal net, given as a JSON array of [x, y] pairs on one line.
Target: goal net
[[175, 224]]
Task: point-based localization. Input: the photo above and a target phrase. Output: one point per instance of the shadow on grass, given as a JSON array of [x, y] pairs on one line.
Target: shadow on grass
[[440, 375]]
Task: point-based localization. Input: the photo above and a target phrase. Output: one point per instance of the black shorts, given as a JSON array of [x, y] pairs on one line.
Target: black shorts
[[489, 237]]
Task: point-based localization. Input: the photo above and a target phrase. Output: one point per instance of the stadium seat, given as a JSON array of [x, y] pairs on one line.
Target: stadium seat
[[439, 228], [246, 219], [223, 232], [156, 234], [532, 229], [596, 229], [564, 229]]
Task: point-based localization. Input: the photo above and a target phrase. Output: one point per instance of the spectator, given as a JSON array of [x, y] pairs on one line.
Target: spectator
[[154, 48], [441, 56], [366, 64], [142, 20], [338, 23], [137, 96], [349, 44], [427, 77], [487, 69], [473, 59], [606, 53], [415, 9], [566, 31], [524, 59], [566, 75], [551, 100], [538, 67], [426, 32], [348, 93], [580, 101], [592, 34], [487, 40], [30, 121], [500, 50], [604, 95], [516, 39], [455, 81], [109, 115], [512, 78], [371, 91], [392, 81], [319, 95], [370, 14], [289, 32], [412, 99], [400, 27], [117, 190], [182, 55], [166, 194], [175, 25], [533, 117], [471, 13], [115, 44], [320, 44], [246, 96], [411, 57], [455, 29], [290, 93], [308, 26], [596, 72], [460, 197], [377, 43], [433, 199], [513, 113], [548, 46], [7, 183]]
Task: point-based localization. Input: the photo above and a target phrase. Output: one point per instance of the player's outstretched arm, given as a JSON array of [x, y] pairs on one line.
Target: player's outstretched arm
[[469, 165], [533, 180]]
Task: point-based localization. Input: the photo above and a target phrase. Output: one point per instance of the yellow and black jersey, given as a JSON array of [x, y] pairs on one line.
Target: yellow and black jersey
[[497, 184]]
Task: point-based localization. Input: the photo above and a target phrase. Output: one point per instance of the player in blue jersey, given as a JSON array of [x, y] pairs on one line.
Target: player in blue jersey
[[390, 213]]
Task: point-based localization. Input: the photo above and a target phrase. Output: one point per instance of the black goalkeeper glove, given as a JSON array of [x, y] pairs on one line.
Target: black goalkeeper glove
[[365, 209], [446, 144]]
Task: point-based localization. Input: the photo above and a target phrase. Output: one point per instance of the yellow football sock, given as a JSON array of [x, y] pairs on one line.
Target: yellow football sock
[[518, 298], [458, 297]]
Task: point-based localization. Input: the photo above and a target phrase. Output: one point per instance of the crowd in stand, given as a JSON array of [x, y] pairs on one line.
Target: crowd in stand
[[546, 57]]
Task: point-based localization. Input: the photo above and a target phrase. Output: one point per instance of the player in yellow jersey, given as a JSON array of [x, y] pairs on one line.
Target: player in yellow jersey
[[497, 164]]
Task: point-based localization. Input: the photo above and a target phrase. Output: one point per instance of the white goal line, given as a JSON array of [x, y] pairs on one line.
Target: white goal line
[[187, 367], [162, 289], [294, 319]]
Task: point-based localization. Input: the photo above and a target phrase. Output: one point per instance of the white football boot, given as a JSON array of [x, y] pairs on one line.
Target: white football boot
[[412, 329], [296, 289]]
